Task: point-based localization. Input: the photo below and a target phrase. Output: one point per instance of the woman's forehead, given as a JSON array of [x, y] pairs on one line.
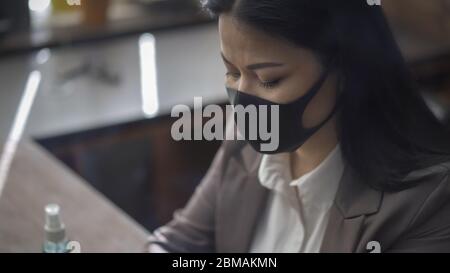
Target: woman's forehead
[[239, 41]]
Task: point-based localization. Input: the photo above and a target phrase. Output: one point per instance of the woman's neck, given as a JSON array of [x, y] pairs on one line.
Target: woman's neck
[[315, 150]]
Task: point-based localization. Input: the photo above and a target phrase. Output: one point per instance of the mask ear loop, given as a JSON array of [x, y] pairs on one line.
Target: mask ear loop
[[315, 88], [337, 101]]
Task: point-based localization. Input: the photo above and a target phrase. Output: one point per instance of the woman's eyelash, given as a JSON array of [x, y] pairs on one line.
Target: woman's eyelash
[[265, 84], [270, 84], [234, 75]]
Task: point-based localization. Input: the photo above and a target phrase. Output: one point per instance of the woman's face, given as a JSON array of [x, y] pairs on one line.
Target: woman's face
[[273, 69]]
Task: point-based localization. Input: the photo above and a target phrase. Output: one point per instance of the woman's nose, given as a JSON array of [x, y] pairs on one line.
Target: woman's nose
[[245, 85]]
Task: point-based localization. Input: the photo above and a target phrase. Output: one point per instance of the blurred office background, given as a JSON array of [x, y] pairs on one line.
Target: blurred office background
[[111, 71]]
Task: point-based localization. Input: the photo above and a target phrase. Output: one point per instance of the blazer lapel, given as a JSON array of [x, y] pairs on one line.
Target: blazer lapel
[[354, 201], [242, 200], [240, 204]]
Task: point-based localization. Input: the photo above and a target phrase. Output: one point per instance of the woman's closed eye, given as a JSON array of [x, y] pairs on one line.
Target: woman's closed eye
[[267, 84], [270, 84], [234, 75]]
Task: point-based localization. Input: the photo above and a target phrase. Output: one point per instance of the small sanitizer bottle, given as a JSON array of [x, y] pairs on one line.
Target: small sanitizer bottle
[[55, 232]]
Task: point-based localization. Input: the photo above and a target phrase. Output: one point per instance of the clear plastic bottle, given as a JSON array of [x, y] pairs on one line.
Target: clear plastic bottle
[[55, 231]]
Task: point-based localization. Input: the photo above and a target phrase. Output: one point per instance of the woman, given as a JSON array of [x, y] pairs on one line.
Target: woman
[[362, 164]]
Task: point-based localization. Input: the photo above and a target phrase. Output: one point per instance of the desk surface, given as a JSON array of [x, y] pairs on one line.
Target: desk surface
[[36, 179]]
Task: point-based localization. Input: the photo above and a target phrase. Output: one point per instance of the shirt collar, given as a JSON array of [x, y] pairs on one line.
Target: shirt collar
[[317, 187]]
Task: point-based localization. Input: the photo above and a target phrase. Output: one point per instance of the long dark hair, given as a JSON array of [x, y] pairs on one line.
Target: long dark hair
[[385, 128]]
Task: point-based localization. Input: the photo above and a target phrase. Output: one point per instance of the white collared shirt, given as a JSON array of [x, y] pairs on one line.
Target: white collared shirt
[[297, 211]]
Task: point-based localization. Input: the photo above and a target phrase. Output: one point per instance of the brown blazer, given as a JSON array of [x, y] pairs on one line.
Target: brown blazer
[[221, 215]]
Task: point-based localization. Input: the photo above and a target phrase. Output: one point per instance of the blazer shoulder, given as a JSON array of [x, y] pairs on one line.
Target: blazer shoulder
[[437, 172], [432, 194], [429, 190]]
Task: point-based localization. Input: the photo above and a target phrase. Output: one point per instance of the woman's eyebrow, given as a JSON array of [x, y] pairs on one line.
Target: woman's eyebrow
[[255, 66]]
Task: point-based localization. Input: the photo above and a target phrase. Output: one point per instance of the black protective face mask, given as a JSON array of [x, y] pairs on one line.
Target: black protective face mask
[[292, 133]]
